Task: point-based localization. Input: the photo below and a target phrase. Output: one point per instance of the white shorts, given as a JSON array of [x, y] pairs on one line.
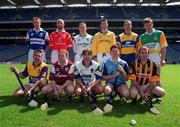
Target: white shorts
[[102, 58], [78, 57], [54, 56], [31, 52], [144, 87], [155, 57]]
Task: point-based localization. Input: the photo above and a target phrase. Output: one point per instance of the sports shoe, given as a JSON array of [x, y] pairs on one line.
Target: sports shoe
[[44, 106], [98, 111], [33, 103], [108, 108]]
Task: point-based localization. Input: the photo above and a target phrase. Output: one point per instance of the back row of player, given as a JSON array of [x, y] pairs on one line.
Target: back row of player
[[128, 42]]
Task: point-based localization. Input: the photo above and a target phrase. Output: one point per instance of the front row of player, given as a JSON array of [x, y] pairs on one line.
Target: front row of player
[[88, 75]]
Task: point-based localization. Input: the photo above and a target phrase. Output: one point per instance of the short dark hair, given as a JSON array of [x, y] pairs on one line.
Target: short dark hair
[[148, 20], [37, 50], [87, 51], [114, 46], [143, 47], [104, 19]]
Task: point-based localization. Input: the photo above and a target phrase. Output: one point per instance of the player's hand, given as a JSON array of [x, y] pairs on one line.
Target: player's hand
[[120, 68], [29, 92], [89, 90], [163, 62], [13, 69], [117, 73]]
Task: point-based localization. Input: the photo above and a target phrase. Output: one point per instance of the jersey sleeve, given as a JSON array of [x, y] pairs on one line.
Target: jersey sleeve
[[94, 45], [47, 36], [69, 41], [44, 72], [51, 41], [71, 73], [98, 73], [74, 46], [52, 73], [155, 77], [132, 71], [163, 41], [113, 39], [25, 72], [27, 36]]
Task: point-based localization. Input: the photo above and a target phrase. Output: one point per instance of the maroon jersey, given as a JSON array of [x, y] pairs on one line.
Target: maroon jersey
[[60, 74]]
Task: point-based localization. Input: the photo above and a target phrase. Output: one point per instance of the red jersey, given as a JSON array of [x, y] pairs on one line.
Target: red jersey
[[60, 74], [60, 40]]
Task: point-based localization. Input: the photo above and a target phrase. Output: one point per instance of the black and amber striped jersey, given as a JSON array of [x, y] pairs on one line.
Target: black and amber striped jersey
[[143, 74]]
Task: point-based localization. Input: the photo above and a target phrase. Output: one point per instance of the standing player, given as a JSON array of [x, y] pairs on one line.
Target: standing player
[[60, 77], [81, 41], [156, 41], [37, 39], [37, 72], [116, 74], [88, 79], [102, 42], [143, 75], [59, 39], [128, 42]]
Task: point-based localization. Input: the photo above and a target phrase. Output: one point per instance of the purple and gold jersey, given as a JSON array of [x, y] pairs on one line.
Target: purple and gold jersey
[[35, 73]]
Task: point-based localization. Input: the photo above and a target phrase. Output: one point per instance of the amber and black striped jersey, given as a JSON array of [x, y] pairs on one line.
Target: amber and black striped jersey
[[143, 74]]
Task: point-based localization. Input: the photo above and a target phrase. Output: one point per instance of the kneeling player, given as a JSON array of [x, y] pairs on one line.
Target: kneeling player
[[37, 72], [60, 79], [143, 75], [116, 74], [88, 78]]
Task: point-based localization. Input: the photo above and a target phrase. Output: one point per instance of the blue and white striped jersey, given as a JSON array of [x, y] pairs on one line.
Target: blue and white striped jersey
[[37, 38]]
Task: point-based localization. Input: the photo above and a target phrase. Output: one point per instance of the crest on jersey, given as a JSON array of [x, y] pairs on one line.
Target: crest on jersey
[[92, 70], [66, 69], [87, 39], [57, 69], [32, 34], [41, 34]]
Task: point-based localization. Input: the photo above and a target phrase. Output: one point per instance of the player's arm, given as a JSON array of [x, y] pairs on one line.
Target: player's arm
[[124, 72], [94, 47], [22, 75], [107, 76], [51, 41], [163, 45], [46, 41]]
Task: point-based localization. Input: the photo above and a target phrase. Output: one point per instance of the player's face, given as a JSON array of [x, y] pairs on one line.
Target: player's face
[[37, 57], [60, 24], [114, 53], [37, 23], [62, 57], [82, 28], [148, 27], [87, 57], [104, 25], [144, 54], [127, 26]]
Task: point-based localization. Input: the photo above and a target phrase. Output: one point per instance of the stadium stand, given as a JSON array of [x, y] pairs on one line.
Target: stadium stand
[[15, 22]]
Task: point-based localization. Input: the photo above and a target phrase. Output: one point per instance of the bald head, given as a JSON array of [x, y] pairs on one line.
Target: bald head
[[60, 24]]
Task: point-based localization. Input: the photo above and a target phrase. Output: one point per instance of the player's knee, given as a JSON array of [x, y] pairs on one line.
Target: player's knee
[[70, 89], [107, 90], [133, 93], [78, 92], [19, 93], [158, 91], [43, 82]]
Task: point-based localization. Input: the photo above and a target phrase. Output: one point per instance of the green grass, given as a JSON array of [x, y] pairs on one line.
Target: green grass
[[15, 113]]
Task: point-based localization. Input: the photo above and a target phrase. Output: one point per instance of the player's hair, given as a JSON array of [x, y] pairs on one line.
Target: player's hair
[[148, 20], [114, 46], [129, 21], [64, 51], [37, 50], [144, 47], [36, 18], [87, 51], [82, 23], [104, 19]]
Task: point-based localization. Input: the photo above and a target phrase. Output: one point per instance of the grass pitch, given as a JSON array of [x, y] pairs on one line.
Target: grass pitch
[[15, 113]]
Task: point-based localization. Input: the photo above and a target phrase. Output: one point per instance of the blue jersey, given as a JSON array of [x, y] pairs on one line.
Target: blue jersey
[[111, 67], [37, 39]]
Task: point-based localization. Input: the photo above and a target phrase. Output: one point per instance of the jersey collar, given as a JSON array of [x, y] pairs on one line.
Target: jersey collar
[[41, 29], [84, 63], [66, 63]]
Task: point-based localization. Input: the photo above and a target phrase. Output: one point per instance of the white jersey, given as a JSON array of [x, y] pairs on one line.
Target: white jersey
[[80, 43], [89, 74]]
